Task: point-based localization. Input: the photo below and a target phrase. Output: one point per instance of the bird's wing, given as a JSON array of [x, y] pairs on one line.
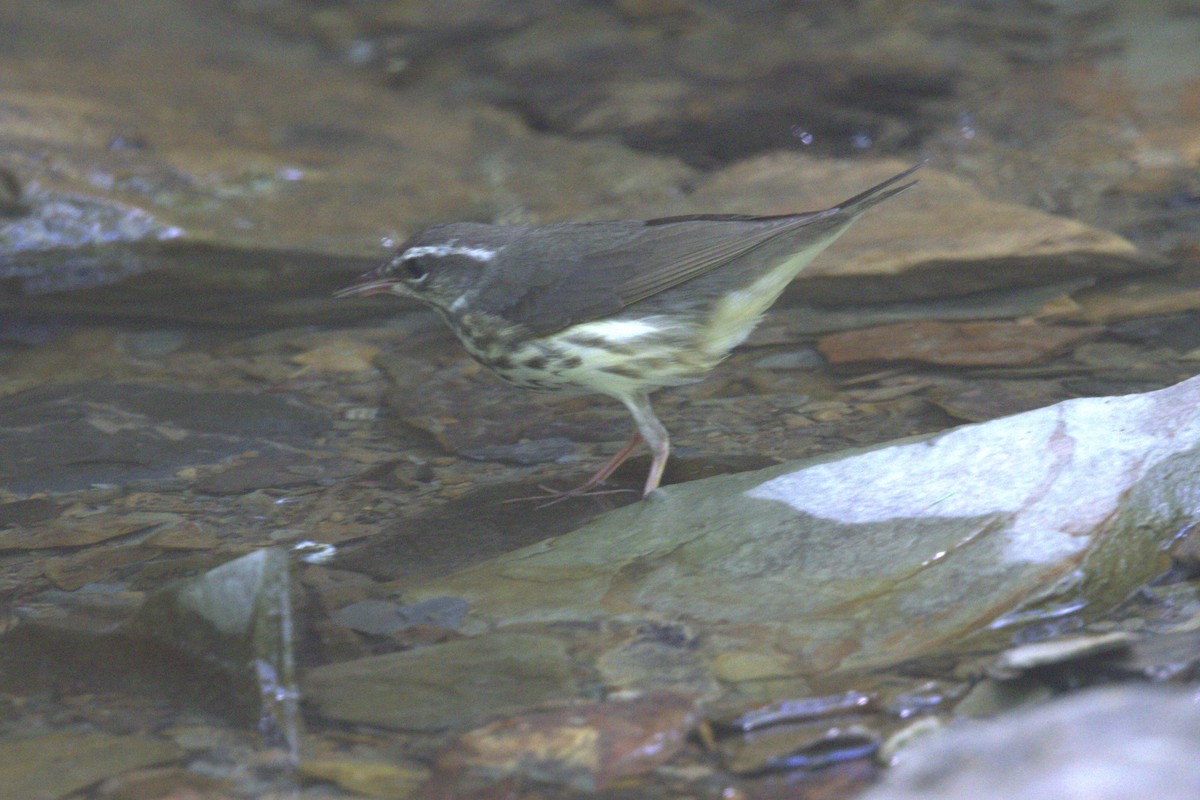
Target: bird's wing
[[561, 275]]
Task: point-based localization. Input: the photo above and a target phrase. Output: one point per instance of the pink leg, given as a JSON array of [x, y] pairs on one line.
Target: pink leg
[[657, 465], [649, 430], [653, 433], [608, 469], [584, 488]]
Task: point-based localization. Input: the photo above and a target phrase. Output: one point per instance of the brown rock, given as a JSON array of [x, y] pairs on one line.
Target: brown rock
[[163, 136], [947, 236], [77, 533], [589, 747], [953, 343]]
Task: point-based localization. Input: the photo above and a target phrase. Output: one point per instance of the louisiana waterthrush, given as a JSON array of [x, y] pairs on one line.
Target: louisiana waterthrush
[[622, 308]]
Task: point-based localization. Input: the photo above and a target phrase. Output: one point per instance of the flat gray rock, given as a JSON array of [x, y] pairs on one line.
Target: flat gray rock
[[444, 686], [869, 558], [64, 437]]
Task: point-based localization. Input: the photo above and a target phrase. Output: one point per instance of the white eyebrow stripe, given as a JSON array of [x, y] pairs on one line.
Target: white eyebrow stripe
[[443, 250]]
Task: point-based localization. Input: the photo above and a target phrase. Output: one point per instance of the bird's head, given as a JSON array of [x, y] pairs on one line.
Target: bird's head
[[437, 266]]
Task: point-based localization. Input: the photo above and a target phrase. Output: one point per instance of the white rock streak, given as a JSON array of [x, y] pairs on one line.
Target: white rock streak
[[1057, 472]]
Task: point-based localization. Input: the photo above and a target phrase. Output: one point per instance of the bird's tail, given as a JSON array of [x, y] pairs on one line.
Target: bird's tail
[[880, 192]]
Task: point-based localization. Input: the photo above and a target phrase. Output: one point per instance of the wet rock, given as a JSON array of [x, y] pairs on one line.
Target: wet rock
[[1176, 331], [338, 356], [588, 747], [54, 765], [960, 344], [658, 657], [65, 221], [1185, 550], [303, 137], [1116, 744], [1147, 297], [470, 412], [1062, 510], [235, 619], [186, 535], [484, 526], [379, 617], [446, 685], [737, 667], [941, 238], [906, 737], [162, 783], [66, 437], [526, 453], [92, 566], [94, 607], [28, 512], [800, 746], [276, 471], [369, 778], [81, 356], [797, 359], [709, 85], [1023, 659], [73, 533], [981, 399], [798, 710], [1157, 657], [787, 323], [155, 344]]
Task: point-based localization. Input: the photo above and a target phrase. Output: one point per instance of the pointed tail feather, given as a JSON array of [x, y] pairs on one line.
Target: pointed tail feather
[[880, 192]]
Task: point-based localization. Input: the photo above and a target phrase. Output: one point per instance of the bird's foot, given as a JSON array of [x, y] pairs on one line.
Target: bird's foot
[[554, 496]]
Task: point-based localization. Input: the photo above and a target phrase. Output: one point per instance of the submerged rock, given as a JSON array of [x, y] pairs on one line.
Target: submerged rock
[[67, 437], [58, 764], [446, 685], [872, 557]]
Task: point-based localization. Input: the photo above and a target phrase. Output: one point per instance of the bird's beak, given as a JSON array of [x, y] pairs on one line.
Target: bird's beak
[[369, 283]]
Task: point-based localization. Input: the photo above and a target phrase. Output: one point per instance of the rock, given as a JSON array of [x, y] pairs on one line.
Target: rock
[[66, 437], [168, 141], [236, 622], [657, 658], [53, 765], [28, 512], [788, 322], [941, 238], [379, 617], [370, 778], [163, 782], [444, 686], [484, 525], [338, 356], [1059, 510], [800, 746], [981, 399], [1020, 660], [1124, 743], [589, 746], [73, 533], [275, 471], [803, 709], [524, 453], [971, 344], [1145, 298]]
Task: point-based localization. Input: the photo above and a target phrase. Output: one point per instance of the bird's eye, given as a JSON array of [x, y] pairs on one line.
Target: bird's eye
[[413, 271]]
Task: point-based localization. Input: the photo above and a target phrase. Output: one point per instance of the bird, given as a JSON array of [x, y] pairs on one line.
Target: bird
[[621, 308]]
